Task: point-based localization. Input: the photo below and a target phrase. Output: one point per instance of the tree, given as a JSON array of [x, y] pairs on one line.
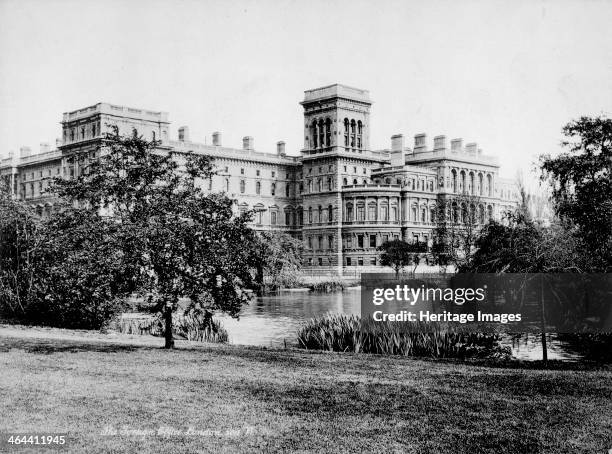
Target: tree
[[397, 254], [279, 257], [457, 226], [581, 179], [19, 246], [172, 240]]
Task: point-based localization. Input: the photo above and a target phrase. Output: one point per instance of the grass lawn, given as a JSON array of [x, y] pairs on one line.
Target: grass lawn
[[268, 401]]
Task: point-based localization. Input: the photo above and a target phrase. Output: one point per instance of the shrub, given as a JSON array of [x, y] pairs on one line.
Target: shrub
[[331, 285], [349, 333]]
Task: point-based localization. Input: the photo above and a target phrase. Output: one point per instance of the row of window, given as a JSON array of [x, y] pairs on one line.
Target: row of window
[[470, 184]]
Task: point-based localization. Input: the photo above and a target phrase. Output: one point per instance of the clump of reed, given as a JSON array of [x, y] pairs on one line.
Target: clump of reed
[[193, 326], [331, 285], [349, 333]]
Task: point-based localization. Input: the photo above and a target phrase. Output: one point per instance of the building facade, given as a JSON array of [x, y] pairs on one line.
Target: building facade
[[340, 196]]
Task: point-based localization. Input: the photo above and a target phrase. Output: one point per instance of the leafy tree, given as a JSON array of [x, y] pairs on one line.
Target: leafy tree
[[456, 231], [397, 254], [172, 240], [19, 246], [581, 178], [278, 257]]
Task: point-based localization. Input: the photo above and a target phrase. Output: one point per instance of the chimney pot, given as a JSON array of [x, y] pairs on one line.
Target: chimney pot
[[471, 147], [24, 152], [420, 144], [216, 138], [280, 148], [44, 147]]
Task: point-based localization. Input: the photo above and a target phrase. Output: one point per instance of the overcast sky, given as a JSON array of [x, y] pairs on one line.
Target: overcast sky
[[505, 74]]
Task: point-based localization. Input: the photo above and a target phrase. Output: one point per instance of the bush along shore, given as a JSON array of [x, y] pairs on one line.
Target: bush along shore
[[350, 333]]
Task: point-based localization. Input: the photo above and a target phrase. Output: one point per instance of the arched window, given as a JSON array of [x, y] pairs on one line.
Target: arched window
[[152, 134], [432, 215], [300, 214], [471, 185], [454, 180], [329, 183], [346, 132], [301, 187], [344, 182], [489, 185], [287, 217], [353, 134], [287, 189], [330, 213], [462, 181], [394, 213], [310, 215], [490, 212], [242, 186], [273, 189], [423, 215], [319, 185], [359, 133], [309, 186], [414, 214], [273, 216], [227, 188], [320, 214], [321, 134], [328, 132], [454, 212], [480, 182], [315, 134], [355, 181], [258, 187]]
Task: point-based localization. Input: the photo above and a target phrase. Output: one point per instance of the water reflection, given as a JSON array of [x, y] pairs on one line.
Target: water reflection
[[274, 320]]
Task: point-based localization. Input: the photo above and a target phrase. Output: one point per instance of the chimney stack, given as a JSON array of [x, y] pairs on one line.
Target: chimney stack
[[439, 143], [44, 147], [216, 139], [471, 147], [456, 145], [420, 145], [280, 148], [24, 152], [183, 134], [397, 142], [247, 143]]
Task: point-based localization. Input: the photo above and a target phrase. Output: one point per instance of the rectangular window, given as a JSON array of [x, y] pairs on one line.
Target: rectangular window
[[348, 261], [360, 261], [321, 242], [257, 172], [331, 241], [349, 241], [273, 174], [359, 240], [373, 261], [309, 242], [385, 238], [320, 261], [241, 171], [372, 240]]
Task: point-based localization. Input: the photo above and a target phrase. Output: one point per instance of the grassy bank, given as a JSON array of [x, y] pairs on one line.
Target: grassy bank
[[267, 401]]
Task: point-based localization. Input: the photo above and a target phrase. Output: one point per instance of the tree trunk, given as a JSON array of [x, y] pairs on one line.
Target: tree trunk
[[543, 323], [168, 331]]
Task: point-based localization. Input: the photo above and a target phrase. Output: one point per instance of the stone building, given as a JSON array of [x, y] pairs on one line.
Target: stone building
[[341, 197]]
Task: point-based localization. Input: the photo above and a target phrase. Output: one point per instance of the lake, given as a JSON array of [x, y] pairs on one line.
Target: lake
[[274, 320]]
